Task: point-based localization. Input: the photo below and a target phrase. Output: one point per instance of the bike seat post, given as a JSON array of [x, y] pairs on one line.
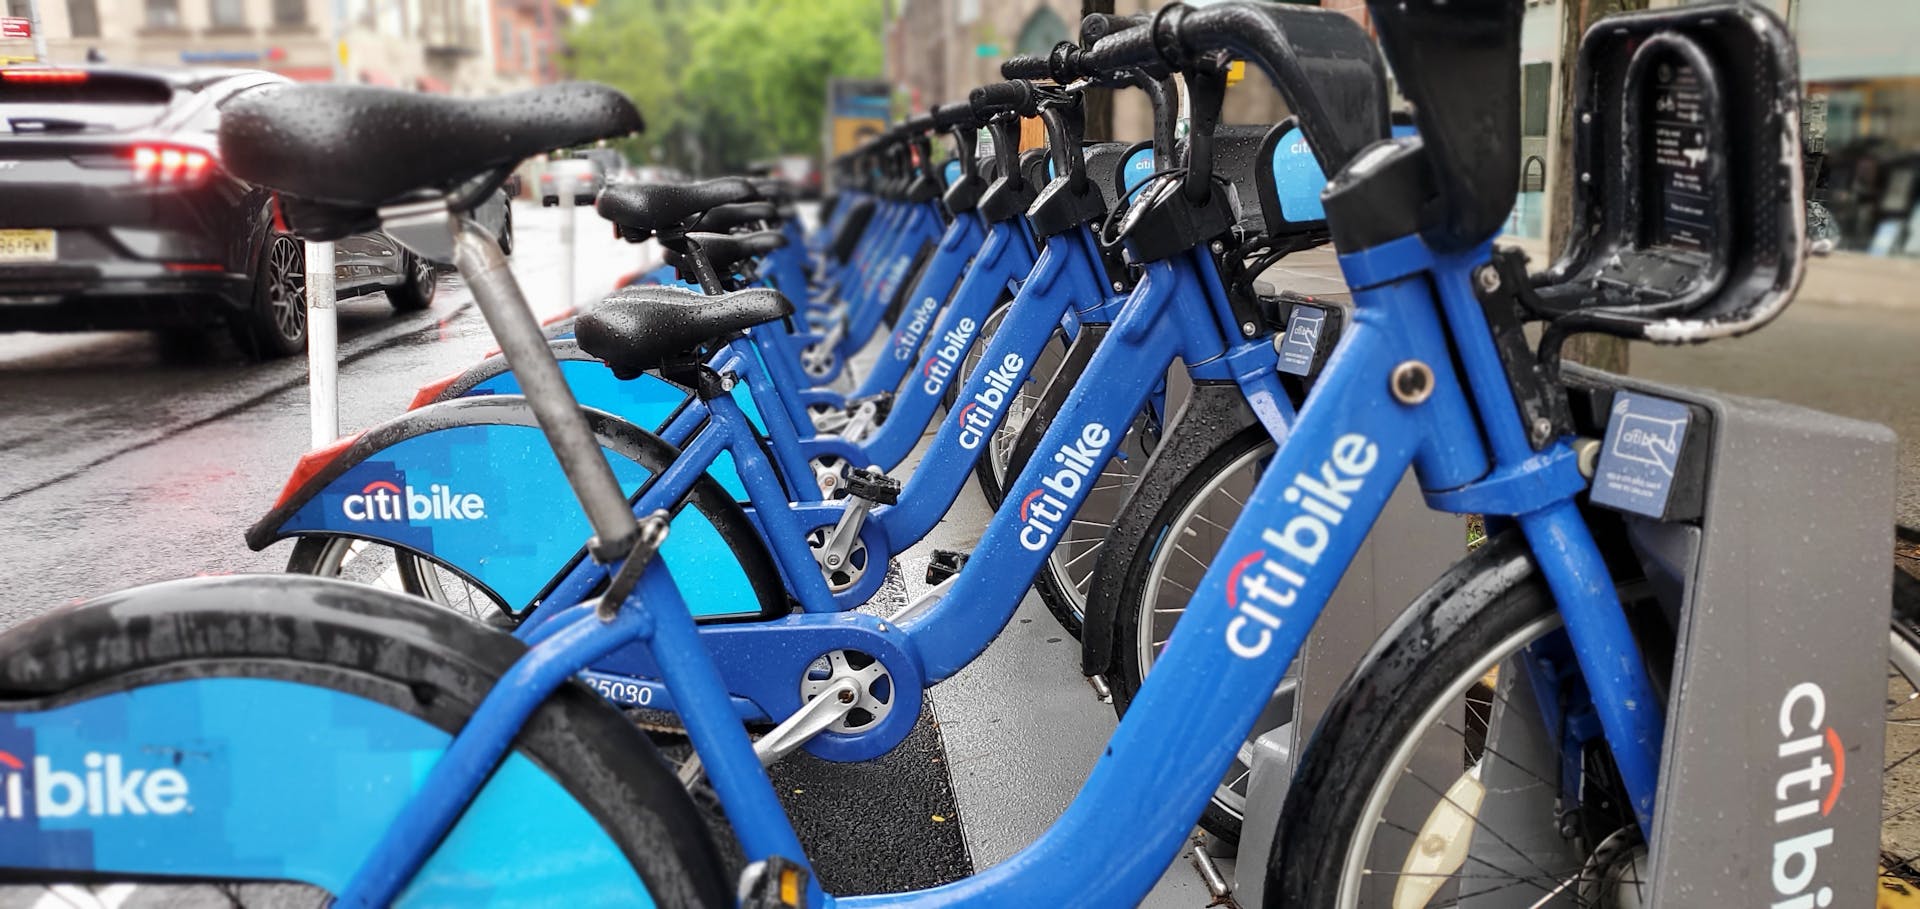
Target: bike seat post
[[522, 342]]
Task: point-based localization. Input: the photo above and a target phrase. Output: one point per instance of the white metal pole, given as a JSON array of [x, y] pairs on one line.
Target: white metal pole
[[567, 257], [39, 34], [323, 338]]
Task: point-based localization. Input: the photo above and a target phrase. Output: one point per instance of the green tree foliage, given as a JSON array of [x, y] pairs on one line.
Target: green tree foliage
[[723, 82]]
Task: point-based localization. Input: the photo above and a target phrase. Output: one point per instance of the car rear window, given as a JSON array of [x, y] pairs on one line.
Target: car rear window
[[39, 102]]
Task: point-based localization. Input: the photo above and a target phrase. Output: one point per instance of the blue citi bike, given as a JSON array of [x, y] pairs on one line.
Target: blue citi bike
[[756, 450], [384, 750]]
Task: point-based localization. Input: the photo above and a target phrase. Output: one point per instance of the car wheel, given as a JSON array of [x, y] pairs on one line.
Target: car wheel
[[506, 232], [416, 292], [276, 324]]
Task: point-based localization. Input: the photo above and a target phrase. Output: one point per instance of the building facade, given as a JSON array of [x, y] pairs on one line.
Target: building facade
[[460, 46]]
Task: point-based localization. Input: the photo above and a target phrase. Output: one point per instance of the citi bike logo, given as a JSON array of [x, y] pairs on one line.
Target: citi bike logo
[[892, 276], [1812, 764], [939, 366], [383, 500], [103, 787], [907, 339], [1270, 579], [1044, 509], [976, 416]]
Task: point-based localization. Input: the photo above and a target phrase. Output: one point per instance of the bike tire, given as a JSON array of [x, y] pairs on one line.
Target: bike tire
[[1359, 751], [358, 644], [1157, 549]]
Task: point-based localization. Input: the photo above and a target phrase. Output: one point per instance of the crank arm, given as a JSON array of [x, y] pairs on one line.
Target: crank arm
[[810, 720]]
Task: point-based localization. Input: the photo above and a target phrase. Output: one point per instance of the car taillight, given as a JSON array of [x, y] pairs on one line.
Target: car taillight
[[43, 75], [170, 166]]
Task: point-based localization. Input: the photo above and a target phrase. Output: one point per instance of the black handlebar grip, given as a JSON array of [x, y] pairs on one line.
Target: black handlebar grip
[[1000, 98], [922, 123], [1099, 25], [1026, 66], [1122, 49], [948, 116]]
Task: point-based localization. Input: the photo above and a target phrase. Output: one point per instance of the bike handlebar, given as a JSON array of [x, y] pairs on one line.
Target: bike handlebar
[[949, 116], [1095, 26], [1003, 97], [1323, 63], [1026, 66]]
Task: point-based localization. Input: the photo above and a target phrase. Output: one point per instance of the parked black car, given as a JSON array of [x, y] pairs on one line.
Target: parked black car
[[116, 214]]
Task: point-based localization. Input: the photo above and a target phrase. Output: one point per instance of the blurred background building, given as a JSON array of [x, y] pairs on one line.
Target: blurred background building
[[462, 46]]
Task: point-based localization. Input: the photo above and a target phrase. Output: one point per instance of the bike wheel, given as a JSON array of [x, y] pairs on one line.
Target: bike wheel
[[1179, 544], [388, 568], [1900, 781], [1405, 748], [313, 705]]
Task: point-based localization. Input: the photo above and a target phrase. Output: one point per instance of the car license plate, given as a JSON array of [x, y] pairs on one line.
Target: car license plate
[[27, 246]]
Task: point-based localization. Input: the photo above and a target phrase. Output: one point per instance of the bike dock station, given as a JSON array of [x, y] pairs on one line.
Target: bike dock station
[[1077, 525]]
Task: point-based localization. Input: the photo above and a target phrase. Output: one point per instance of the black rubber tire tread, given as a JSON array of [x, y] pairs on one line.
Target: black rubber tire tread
[[1212, 414], [1482, 600], [408, 295], [1379, 703], [1124, 674], [253, 330], [386, 647]]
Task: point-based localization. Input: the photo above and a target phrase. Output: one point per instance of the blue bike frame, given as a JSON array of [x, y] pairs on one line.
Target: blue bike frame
[[1244, 625]]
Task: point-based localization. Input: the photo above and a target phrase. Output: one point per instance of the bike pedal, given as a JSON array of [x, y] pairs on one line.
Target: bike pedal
[[773, 884], [882, 404], [945, 564], [872, 485]]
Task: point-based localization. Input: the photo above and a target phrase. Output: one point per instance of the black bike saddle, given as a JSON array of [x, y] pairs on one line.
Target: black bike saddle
[[356, 148], [727, 217], [728, 250], [652, 206], [642, 328]]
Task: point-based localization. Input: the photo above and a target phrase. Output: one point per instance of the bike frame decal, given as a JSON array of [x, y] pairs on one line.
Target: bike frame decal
[[1005, 255], [274, 780]]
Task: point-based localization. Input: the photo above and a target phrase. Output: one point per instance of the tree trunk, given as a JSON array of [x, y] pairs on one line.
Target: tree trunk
[[1099, 103], [1598, 351]]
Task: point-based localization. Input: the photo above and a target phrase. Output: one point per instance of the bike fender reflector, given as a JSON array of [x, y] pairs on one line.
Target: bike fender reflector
[[1640, 458]]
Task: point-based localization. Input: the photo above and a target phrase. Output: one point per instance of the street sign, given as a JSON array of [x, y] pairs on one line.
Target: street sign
[[15, 27], [857, 110], [986, 50]]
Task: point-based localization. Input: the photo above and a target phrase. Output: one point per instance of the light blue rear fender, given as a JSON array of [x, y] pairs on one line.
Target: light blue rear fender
[[473, 485], [646, 401]]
